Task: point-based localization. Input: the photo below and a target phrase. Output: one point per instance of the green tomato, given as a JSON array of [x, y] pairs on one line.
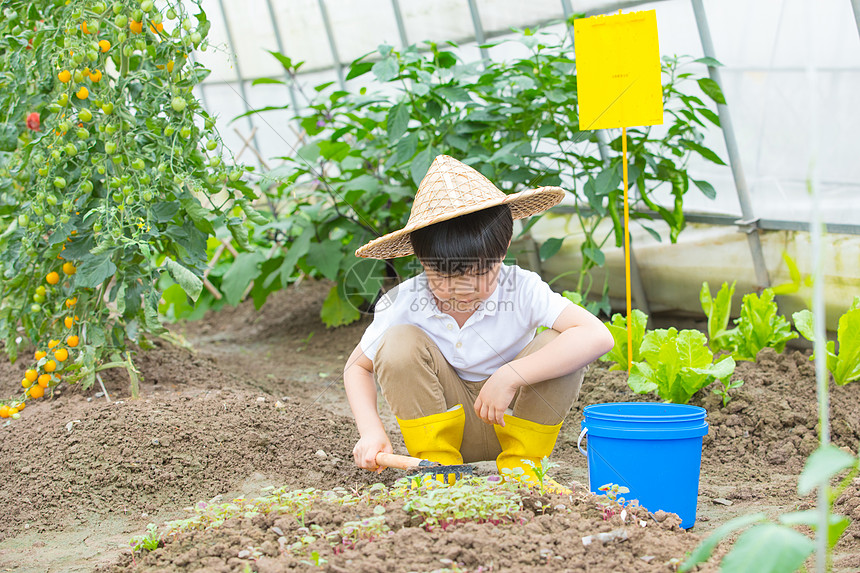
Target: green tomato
[[101, 169], [130, 200], [138, 164], [137, 15], [117, 159], [140, 45], [50, 219], [41, 290], [145, 179], [82, 133], [147, 196], [187, 24], [87, 186], [92, 56], [128, 51], [117, 8], [115, 182], [40, 298], [185, 132], [70, 149], [55, 155], [64, 218], [146, 5], [78, 58], [64, 126], [171, 15], [211, 144], [93, 27], [121, 37], [51, 199], [196, 38], [121, 21], [209, 123], [178, 104], [99, 7], [117, 197], [79, 76], [23, 220], [85, 115], [168, 131], [235, 175], [63, 100], [110, 147], [60, 183], [215, 161], [67, 43], [127, 190], [35, 307], [97, 227], [162, 167], [107, 108]]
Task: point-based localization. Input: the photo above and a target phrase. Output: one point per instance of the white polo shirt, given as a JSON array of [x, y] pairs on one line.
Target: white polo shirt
[[496, 332]]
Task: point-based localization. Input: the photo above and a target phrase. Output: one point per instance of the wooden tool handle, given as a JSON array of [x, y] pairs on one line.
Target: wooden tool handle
[[397, 461]]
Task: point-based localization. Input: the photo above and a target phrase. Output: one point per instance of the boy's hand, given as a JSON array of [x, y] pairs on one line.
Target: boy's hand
[[367, 447], [496, 395]]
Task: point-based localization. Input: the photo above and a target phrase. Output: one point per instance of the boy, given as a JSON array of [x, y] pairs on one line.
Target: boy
[[454, 349]]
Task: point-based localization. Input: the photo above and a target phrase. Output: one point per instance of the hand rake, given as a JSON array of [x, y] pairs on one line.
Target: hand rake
[[419, 467]]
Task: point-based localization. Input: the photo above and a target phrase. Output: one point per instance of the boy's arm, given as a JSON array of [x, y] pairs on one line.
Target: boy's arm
[[583, 339], [361, 394]]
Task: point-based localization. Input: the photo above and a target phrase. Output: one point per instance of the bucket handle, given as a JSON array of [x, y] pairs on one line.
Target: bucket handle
[[579, 441]]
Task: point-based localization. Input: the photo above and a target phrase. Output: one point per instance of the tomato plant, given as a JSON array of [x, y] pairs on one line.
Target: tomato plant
[[103, 168]]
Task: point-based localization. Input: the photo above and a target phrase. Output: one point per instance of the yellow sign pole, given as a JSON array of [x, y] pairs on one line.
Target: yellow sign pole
[[618, 83]]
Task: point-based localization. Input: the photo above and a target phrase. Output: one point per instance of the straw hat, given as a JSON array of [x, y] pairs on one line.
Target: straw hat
[[451, 189]]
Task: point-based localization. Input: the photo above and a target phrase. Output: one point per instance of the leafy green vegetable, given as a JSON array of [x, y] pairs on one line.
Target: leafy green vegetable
[[618, 328], [845, 366], [718, 310], [677, 365], [759, 326]]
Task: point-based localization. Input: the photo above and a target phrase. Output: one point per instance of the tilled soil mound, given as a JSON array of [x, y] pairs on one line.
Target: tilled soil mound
[[547, 535], [75, 458]]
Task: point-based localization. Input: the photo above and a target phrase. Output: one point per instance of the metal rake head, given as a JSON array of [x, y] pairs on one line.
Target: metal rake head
[[434, 469]]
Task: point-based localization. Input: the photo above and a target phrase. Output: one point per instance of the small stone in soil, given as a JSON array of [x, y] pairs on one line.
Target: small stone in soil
[[321, 454], [722, 501]]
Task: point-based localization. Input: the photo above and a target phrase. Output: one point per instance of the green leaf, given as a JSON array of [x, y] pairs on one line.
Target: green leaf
[[253, 215], [190, 283], [712, 89], [702, 150], [706, 188], [803, 324], [848, 361], [239, 231], [358, 69], [823, 464], [261, 81], [550, 247], [708, 61], [595, 255], [93, 271], [618, 329], [718, 310], [297, 250], [398, 121], [703, 552], [836, 527], [244, 269], [386, 69], [641, 379], [768, 548], [325, 257], [197, 213], [337, 311], [421, 164]]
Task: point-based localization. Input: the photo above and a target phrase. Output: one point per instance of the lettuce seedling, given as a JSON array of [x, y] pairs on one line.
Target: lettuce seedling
[[718, 310], [845, 366], [618, 328], [677, 365], [760, 326]]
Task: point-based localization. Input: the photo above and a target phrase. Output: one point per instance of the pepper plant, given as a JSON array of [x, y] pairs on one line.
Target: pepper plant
[[105, 157], [516, 122]]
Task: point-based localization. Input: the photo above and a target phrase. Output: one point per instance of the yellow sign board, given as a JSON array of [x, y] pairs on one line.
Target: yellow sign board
[[618, 70]]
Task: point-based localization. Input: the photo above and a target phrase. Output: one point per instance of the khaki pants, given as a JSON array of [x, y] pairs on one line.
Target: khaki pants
[[417, 381]]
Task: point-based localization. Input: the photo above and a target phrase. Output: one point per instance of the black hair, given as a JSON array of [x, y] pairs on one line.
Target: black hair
[[472, 242]]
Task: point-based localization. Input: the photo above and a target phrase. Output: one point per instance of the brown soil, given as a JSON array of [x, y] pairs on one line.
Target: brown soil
[[259, 396]]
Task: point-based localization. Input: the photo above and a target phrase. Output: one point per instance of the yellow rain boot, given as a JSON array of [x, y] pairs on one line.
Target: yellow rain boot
[[437, 437], [524, 440]]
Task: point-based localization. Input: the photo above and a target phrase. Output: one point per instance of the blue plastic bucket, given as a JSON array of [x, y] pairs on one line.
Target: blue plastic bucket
[[655, 450]]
